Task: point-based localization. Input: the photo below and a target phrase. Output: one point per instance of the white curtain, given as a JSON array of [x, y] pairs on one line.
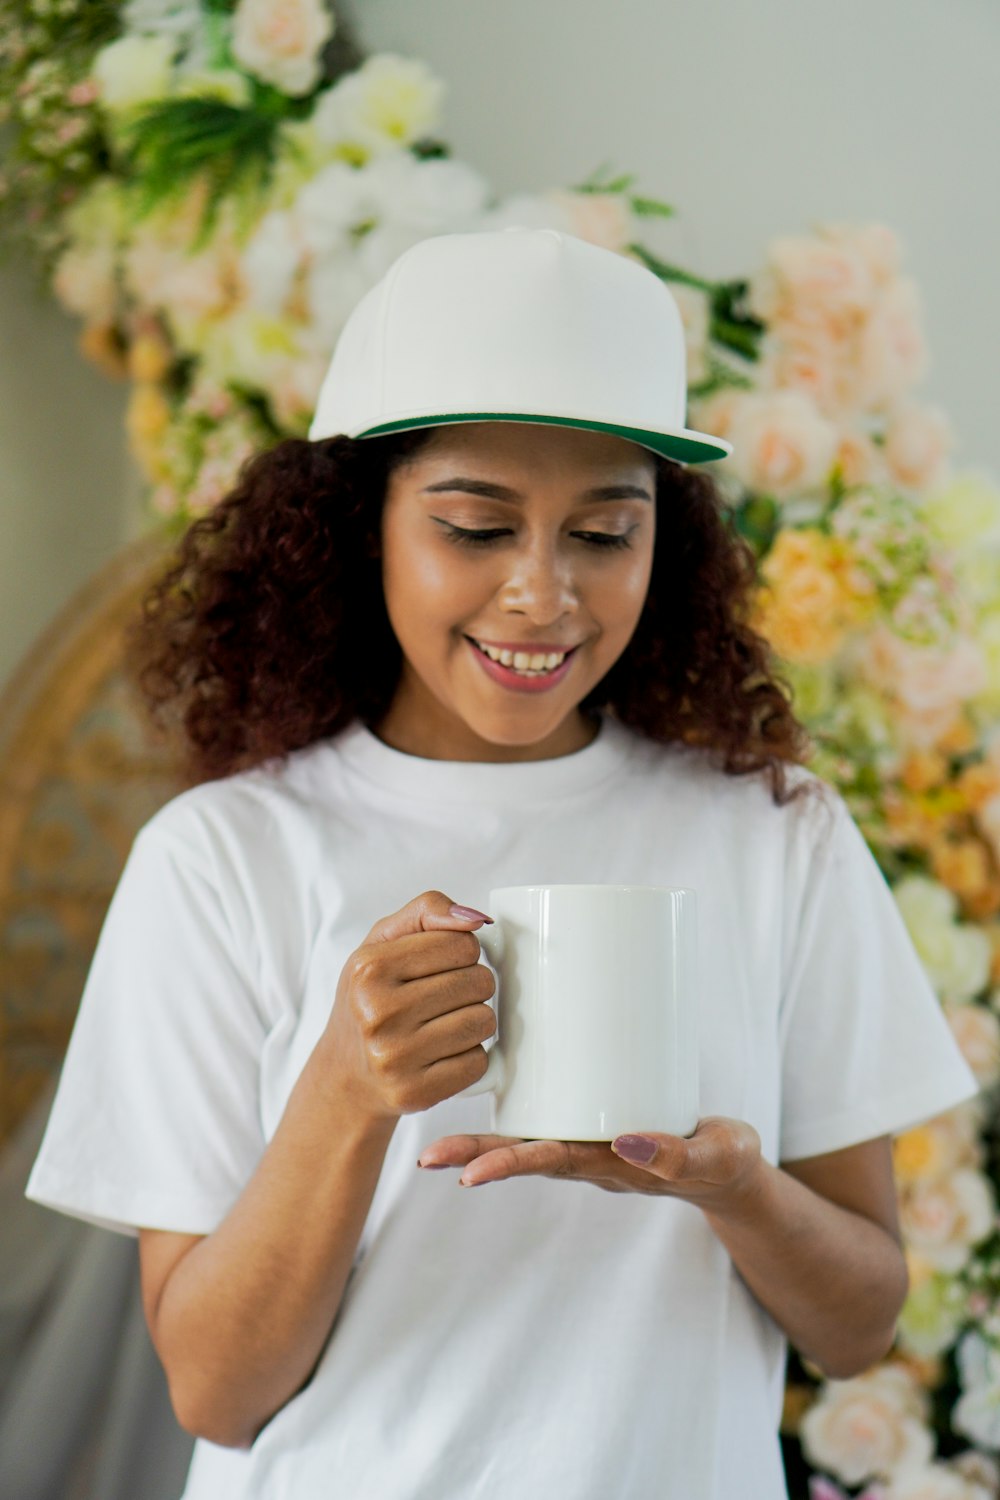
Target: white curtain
[[84, 1410]]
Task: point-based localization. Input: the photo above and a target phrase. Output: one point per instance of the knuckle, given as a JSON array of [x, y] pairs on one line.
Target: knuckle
[[365, 967], [465, 948]]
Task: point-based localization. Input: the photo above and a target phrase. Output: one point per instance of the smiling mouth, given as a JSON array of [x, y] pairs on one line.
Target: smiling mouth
[[524, 663]]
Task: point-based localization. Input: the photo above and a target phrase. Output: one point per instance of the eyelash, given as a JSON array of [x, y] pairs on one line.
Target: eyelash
[[466, 538]]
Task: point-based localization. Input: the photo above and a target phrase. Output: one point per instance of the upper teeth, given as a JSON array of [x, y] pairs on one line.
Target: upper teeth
[[523, 661]]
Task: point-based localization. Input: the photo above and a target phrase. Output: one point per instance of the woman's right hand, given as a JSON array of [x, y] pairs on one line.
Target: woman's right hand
[[410, 1015]]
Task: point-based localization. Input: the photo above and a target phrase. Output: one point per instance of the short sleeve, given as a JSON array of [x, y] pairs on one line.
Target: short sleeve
[[156, 1120], [866, 1050]]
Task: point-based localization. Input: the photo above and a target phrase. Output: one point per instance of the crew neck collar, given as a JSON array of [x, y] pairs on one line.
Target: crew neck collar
[[479, 781]]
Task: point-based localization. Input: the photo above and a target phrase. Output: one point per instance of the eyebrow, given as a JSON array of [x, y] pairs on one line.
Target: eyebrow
[[502, 492]]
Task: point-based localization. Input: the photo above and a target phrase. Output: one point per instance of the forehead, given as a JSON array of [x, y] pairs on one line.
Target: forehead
[[532, 448]]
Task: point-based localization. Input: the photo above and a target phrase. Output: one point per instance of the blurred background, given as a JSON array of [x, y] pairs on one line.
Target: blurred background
[[754, 123]]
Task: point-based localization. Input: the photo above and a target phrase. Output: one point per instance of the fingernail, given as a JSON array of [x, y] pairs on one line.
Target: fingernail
[[638, 1148], [432, 1166], [469, 912]]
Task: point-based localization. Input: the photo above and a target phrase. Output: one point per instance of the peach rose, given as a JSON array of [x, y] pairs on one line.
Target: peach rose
[[601, 218], [943, 1218], [810, 363], [782, 445], [892, 353], [977, 1032], [280, 41], [810, 278], [918, 440], [877, 244], [928, 683], [871, 1427]]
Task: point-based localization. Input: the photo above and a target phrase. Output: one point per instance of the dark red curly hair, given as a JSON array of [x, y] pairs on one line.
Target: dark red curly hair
[[246, 647]]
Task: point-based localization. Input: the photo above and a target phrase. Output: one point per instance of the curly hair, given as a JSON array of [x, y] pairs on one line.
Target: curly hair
[[246, 646]]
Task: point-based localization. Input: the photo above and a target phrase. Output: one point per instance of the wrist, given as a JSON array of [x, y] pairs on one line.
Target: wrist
[[741, 1201], [334, 1089]]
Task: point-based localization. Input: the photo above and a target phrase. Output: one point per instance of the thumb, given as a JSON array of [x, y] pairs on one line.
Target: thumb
[[431, 911]]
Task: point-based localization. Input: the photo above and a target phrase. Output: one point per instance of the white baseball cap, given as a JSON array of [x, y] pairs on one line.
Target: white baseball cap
[[515, 325]]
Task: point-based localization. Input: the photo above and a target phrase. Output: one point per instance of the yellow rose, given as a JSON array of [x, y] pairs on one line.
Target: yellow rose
[[805, 608]]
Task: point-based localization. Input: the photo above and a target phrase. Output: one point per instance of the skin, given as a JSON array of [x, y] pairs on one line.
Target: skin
[[541, 582], [817, 1240]]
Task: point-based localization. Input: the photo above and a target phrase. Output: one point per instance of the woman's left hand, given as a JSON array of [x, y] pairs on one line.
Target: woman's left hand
[[714, 1168]]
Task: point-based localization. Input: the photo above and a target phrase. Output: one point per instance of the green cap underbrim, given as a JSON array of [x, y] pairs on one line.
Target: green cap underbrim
[[669, 445]]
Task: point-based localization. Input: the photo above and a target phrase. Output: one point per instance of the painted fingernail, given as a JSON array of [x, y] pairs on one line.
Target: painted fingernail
[[469, 913], [637, 1148]]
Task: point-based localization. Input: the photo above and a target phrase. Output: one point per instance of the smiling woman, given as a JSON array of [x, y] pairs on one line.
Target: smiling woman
[[413, 667], [557, 584], [369, 541]]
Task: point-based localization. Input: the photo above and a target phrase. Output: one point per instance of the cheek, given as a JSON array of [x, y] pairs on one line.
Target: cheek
[[422, 585]]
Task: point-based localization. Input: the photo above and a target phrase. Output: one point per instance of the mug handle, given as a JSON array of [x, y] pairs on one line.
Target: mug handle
[[491, 943]]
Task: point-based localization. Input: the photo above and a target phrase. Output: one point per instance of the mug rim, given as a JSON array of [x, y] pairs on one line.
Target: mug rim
[[584, 886]]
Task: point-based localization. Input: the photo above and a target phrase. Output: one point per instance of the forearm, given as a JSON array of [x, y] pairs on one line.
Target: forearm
[[244, 1315], [833, 1280]]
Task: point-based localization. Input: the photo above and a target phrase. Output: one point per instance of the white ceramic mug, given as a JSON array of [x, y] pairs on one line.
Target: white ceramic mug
[[597, 1011]]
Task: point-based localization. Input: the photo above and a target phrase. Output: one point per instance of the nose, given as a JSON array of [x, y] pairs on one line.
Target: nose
[[541, 584]]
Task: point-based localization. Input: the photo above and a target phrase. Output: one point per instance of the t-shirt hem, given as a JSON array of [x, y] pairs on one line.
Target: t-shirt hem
[[125, 1216], [917, 1103]]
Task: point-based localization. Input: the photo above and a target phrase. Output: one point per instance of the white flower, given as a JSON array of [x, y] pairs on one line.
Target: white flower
[[942, 1218], [247, 347], [330, 206], [133, 70], [270, 261], [965, 512], [280, 41], [334, 286], [871, 1427], [957, 957], [429, 196], [388, 102], [976, 1414]]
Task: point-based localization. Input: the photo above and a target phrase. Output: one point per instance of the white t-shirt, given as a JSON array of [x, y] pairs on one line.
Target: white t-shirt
[[531, 1338]]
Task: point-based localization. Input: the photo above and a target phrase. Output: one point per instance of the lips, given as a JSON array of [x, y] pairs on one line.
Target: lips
[[515, 681]]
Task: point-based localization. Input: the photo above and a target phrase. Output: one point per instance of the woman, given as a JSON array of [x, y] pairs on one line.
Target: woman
[[485, 628]]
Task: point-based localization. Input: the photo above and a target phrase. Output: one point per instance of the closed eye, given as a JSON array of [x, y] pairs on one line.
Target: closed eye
[[465, 538]]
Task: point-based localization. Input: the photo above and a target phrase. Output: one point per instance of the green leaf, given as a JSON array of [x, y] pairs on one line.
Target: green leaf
[[596, 182], [645, 208], [175, 141], [667, 272]]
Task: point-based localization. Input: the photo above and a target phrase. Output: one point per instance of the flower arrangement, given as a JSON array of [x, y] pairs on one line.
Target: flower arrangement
[[211, 186]]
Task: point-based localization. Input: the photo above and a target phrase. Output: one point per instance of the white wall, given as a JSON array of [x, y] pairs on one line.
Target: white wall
[[753, 119]]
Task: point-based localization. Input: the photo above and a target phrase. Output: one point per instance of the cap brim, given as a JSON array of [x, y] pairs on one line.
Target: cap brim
[[686, 445]]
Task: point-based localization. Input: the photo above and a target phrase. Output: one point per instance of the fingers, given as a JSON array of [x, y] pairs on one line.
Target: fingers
[[719, 1152], [459, 1150], [428, 912]]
